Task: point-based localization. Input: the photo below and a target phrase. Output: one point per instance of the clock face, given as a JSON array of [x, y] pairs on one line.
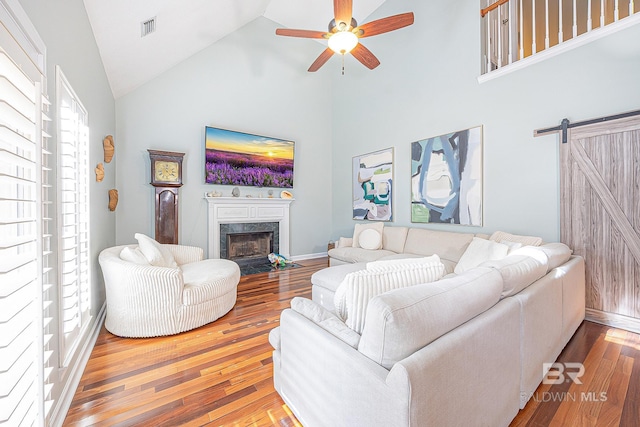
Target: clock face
[[167, 171]]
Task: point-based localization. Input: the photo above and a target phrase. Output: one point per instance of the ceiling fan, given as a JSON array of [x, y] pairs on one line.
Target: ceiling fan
[[344, 34]]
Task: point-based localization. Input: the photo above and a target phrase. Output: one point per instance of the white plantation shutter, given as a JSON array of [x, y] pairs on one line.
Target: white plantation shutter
[[25, 275], [73, 218]]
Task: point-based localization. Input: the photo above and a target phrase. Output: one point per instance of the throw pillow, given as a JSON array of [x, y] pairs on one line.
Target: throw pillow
[[156, 254], [499, 236], [325, 319], [359, 228], [133, 255], [310, 309], [479, 251], [358, 288], [344, 242], [512, 245], [390, 264], [370, 239]]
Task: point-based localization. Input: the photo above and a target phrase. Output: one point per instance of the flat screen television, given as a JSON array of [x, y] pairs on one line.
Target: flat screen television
[[243, 159]]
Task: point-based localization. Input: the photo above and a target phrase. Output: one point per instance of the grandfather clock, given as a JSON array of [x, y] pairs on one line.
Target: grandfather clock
[[166, 177]]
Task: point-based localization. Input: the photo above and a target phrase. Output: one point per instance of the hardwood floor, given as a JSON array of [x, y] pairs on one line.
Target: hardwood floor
[[610, 391], [221, 374]]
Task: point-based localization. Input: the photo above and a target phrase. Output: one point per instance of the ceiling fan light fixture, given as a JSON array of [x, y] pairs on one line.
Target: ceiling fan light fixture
[[343, 42]]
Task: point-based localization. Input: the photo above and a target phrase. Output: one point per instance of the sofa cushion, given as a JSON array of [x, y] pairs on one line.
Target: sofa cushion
[[500, 236], [207, 279], [447, 245], [133, 255], [557, 253], [330, 278], [154, 252], [358, 288], [325, 319], [370, 239], [403, 321], [359, 228], [518, 271], [479, 251], [394, 238], [358, 254]]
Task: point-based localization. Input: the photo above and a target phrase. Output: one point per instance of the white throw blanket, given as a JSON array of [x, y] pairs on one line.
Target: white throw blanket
[[358, 288]]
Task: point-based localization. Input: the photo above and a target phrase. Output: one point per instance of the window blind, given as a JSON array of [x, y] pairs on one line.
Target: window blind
[[73, 205], [25, 236], [22, 292]]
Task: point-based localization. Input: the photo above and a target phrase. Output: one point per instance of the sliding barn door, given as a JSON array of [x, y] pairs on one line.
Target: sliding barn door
[[600, 216]]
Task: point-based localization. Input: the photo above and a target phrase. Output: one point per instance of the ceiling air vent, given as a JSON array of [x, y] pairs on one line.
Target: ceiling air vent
[[148, 26]]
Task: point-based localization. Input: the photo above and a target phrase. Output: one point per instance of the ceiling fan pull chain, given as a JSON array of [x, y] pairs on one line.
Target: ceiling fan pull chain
[[343, 64]]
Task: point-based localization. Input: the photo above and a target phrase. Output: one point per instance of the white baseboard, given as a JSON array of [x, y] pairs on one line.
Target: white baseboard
[[611, 319], [309, 256], [62, 405]]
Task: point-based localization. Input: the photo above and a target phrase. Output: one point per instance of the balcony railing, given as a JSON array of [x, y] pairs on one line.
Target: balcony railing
[[515, 30]]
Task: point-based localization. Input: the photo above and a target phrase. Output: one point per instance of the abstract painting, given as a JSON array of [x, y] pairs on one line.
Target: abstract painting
[[372, 186], [446, 178]]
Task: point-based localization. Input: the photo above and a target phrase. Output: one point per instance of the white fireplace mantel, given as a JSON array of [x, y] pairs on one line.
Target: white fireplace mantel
[[229, 210]]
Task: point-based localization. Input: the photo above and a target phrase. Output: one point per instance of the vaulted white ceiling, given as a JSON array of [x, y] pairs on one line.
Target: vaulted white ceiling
[[187, 26]]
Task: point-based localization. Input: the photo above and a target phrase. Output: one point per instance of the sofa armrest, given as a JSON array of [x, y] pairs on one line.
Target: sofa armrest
[[139, 296], [470, 375], [319, 371], [136, 286], [186, 254]]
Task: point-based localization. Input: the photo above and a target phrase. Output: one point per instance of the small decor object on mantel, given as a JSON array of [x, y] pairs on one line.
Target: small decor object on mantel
[[99, 172], [109, 148], [286, 195], [113, 199], [214, 194], [235, 192]]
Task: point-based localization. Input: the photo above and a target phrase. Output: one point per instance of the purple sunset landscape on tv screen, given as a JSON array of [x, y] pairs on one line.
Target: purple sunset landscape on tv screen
[[236, 158]]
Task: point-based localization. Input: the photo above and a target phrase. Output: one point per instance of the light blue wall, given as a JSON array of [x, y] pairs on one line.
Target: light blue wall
[[251, 81], [426, 86], [64, 27]]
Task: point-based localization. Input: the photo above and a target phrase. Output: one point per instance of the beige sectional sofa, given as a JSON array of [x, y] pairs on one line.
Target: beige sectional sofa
[[467, 349], [403, 242]]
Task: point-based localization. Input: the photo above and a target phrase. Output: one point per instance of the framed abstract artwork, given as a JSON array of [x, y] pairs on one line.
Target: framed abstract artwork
[[373, 186], [446, 178]]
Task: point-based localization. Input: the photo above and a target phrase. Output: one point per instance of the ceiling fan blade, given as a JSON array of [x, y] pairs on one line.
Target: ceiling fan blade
[[384, 25], [365, 56], [342, 10], [308, 34], [320, 61]]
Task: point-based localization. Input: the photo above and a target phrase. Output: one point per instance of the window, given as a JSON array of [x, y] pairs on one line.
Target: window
[[73, 216], [25, 238]]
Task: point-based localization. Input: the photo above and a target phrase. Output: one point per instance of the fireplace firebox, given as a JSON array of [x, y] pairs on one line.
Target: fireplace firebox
[[249, 248], [249, 244]]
